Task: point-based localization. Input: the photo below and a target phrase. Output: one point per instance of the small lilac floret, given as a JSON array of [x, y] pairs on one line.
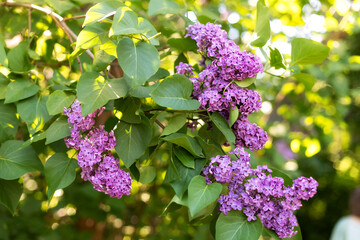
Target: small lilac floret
[[94, 157]]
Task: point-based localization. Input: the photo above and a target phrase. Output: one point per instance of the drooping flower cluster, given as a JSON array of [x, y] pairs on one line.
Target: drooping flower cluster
[[257, 193], [98, 165], [214, 87]]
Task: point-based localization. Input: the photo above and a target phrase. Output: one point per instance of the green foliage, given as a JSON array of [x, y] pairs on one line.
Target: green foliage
[[262, 27], [174, 92], [202, 195], [234, 226], [20, 89], [132, 139], [306, 51], [95, 91], [276, 60], [126, 56], [223, 126], [10, 192], [138, 60], [16, 160], [59, 129], [59, 171], [163, 7]]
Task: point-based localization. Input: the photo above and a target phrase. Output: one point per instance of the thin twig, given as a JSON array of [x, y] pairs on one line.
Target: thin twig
[[29, 22], [159, 33], [163, 47], [60, 21], [159, 123], [69, 37], [73, 18]]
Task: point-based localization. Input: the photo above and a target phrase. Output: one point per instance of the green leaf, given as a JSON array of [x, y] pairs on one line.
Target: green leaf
[[129, 107], [101, 10], [148, 30], [210, 150], [15, 160], [57, 101], [125, 22], [95, 91], [142, 91], [8, 122], [183, 44], [234, 226], [306, 79], [37, 137], [60, 6], [245, 83], [262, 28], [160, 74], [4, 82], [147, 174], [175, 92], [186, 174], [172, 173], [306, 51], [138, 60], [271, 235], [10, 193], [58, 130], [20, 89], [33, 111], [132, 140], [223, 126], [102, 59], [3, 57], [175, 204], [186, 142], [59, 172], [93, 35], [276, 59], [18, 58], [163, 7], [175, 124], [202, 195], [234, 114], [185, 157]]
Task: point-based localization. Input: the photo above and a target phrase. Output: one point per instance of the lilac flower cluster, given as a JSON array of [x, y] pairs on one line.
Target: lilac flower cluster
[[257, 193], [214, 87], [94, 157], [249, 135]]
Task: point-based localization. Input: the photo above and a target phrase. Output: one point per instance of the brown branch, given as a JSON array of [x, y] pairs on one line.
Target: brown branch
[[61, 25], [74, 17], [159, 123], [60, 21], [29, 22]]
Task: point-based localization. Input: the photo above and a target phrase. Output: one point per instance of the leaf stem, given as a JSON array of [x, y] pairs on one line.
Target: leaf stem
[[159, 33]]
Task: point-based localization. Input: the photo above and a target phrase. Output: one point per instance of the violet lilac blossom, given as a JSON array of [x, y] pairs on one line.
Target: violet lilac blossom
[[257, 193], [94, 157]]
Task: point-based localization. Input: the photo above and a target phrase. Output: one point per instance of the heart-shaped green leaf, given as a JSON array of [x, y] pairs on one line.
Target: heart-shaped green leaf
[[202, 195], [234, 226]]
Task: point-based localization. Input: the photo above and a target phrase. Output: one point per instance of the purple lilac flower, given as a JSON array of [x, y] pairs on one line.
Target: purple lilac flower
[[213, 86], [258, 194], [94, 157], [249, 135]]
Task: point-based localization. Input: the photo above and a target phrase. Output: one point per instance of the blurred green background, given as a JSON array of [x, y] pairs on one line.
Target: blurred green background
[[313, 122]]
